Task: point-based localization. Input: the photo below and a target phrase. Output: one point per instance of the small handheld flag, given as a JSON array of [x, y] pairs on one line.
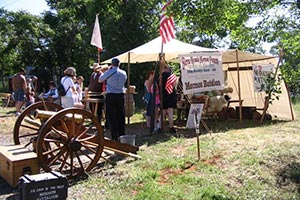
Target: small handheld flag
[[170, 83]]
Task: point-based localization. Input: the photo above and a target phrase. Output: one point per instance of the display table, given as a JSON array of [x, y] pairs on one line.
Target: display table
[[94, 102]]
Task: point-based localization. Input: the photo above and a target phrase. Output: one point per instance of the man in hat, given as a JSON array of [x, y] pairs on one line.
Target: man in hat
[[95, 86], [115, 80]]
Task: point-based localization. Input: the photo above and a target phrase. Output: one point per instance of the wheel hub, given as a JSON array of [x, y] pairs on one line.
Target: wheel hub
[[74, 144]]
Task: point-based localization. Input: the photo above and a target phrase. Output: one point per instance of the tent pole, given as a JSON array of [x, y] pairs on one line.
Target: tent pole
[[290, 101], [239, 85], [161, 59], [128, 84]]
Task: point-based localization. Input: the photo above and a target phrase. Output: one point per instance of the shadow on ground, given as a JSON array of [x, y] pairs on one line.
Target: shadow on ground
[[289, 175], [143, 135]]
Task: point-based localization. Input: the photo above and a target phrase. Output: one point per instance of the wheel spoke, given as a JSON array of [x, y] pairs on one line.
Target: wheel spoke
[[64, 161], [87, 155], [30, 116], [53, 150], [79, 160], [87, 138], [64, 125], [29, 127], [28, 135], [82, 133], [60, 133], [54, 158], [71, 167]]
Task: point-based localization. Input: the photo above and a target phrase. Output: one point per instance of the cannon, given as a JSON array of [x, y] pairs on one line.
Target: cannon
[[69, 140]]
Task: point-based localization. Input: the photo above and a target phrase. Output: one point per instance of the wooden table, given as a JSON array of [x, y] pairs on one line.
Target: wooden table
[[234, 101], [95, 103]]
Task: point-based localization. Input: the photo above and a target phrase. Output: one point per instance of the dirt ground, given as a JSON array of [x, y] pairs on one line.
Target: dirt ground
[[7, 120]]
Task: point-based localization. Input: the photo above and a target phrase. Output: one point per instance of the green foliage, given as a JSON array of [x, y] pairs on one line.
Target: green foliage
[[272, 86], [61, 37]]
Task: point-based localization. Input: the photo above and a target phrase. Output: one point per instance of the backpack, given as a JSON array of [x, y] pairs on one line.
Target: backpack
[[61, 89]]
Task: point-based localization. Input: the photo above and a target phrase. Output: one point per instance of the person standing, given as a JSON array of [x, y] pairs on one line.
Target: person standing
[[96, 86], [115, 80], [19, 88], [169, 96], [68, 100], [79, 87], [152, 102], [148, 96]]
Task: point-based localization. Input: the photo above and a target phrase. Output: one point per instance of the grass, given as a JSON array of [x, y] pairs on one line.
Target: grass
[[238, 161]]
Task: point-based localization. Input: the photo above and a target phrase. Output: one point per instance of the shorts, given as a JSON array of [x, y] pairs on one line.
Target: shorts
[[19, 95]]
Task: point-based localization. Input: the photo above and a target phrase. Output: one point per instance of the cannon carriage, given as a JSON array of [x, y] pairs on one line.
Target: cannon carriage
[[69, 140]]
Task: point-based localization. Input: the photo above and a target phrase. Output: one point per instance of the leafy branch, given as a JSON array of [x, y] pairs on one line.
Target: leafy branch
[[272, 86]]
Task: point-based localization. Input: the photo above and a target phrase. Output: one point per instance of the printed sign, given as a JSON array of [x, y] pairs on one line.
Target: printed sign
[[201, 72], [260, 73], [195, 110]]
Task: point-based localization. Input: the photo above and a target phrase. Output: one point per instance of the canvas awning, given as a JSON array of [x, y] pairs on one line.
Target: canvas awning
[[149, 52], [231, 57]]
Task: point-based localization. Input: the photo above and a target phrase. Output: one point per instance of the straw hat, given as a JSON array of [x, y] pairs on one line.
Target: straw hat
[[95, 66], [71, 71]]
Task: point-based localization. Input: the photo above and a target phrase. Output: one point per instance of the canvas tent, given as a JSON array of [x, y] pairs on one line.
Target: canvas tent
[[234, 59], [149, 52]]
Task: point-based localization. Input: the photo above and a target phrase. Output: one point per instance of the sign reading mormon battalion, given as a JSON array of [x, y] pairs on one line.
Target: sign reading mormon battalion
[[201, 72]]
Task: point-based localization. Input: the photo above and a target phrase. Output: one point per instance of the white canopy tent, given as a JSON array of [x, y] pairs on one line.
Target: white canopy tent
[[149, 52]]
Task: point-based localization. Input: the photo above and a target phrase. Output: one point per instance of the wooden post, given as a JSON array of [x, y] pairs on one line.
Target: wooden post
[[239, 85], [197, 130]]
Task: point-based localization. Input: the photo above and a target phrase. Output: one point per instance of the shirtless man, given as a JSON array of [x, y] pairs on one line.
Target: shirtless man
[[19, 88]]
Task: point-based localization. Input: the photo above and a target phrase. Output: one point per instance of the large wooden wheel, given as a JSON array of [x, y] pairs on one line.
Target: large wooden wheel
[[70, 141], [27, 126]]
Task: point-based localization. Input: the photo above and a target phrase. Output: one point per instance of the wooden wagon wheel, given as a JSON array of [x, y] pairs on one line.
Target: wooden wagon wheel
[[26, 126], [70, 141]]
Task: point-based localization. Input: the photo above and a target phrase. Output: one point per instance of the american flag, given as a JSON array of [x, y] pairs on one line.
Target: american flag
[[166, 28], [96, 37], [170, 83]]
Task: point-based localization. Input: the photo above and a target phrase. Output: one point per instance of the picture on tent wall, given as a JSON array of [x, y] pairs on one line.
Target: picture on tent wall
[[260, 73], [201, 71]]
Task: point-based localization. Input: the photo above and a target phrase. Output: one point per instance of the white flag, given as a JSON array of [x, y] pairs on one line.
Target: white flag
[[96, 37]]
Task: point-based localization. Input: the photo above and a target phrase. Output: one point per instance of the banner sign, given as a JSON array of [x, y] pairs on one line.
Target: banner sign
[[260, 73], [201, 72]]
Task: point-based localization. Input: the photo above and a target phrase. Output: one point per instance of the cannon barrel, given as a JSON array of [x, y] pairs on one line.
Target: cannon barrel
[[45, 114]]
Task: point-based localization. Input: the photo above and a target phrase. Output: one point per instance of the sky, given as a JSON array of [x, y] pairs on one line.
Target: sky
[[35, 7]]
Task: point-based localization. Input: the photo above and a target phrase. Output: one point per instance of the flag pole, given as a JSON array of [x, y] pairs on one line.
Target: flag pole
[[166, 30], [161, 59], [98, 56]]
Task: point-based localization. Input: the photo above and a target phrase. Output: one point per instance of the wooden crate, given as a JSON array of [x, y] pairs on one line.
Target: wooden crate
[[15, 161]]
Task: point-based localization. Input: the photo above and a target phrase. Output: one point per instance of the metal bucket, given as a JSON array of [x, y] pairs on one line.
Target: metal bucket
[[128, 139]]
